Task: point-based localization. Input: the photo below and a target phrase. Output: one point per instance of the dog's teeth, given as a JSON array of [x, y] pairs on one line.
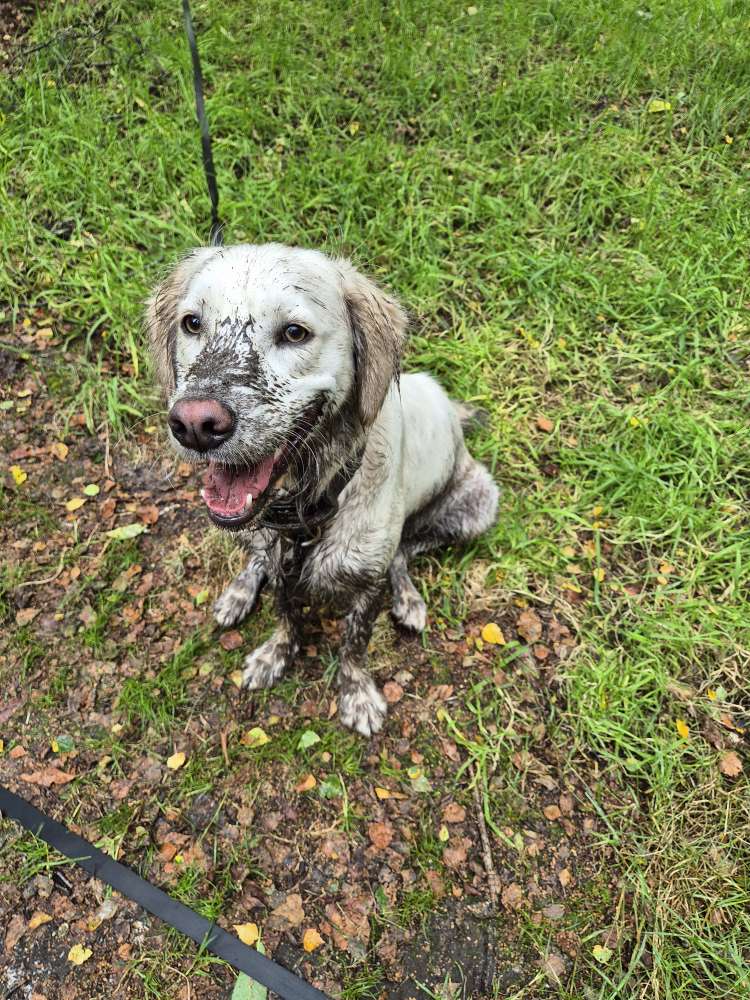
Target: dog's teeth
[[203, 496], [248, 500], [277, 454]]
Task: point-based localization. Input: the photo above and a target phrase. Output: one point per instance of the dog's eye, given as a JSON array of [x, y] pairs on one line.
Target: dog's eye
[[191, 324], [295, 334]]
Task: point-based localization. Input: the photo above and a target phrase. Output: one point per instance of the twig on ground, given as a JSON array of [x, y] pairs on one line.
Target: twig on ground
[[224, 751], [489, 866]]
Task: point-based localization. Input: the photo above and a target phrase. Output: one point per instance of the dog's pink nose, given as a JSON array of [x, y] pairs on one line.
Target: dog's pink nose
[[201, 424]]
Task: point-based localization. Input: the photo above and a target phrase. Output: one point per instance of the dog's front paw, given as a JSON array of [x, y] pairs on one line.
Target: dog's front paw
[[234, 604], [361, 706], [410, 610], [266, 664]]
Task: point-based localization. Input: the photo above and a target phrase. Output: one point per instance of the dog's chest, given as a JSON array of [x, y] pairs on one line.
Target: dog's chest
[[344, 561]]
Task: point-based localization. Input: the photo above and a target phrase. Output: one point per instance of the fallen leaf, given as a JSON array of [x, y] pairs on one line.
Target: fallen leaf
[[545, 424], [380, 834], [78, 954], [19, 476], [236, 678], [291, 910], [656, 104], [529, 625], [306, 784], [308, 739], [730, 764], [255, 737], [382, 793], [37, 919], [512, 896], [599, 574], [443, 834], [493, 634], [601, 953], [126, 531], [26, 615], [59, 450], [247, 933], [393, 692], [91, 489], [455, 857], [682, 729], [14, 933], [75, 504], [311, 939], [47, 777], [553, 965], [552, 812], [565, 877], [175, 762], [231, 640], [454, 813]]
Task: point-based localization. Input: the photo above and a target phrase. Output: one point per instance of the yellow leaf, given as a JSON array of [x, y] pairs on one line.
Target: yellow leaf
[[37, 919], [236, 678], [634, 422], [59, 450], [311, 939], [175, 762], [75, 503], [597, 511], [247, 933], [711, 694], [443, 834], [729, 139], [306, 784], [19, 476], [382, 793], [568, 551], [353, 127], [599, 574], [78, 954], [91, 489], [255, 737], [655, 105], [493, 634], [682, 729]]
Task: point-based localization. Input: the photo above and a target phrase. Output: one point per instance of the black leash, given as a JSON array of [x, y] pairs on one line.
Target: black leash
[[200, 110], [172, 912]]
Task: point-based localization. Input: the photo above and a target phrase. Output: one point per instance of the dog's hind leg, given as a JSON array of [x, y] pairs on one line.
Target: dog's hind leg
[[238, 599], [408, 608], [361, 705], [466, 508]]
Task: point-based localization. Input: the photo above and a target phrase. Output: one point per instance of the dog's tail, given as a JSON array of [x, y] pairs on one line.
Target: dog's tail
[[471, 417]]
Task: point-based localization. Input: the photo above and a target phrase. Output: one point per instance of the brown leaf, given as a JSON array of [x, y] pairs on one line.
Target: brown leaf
[[10, 708], [47, 777], [231, 640], [512, 896], [454, 813], [565, 877], [26, 615], [380, 834], [553, 966], [529, 625], [149, 515], [290, 910], [730, 764], [455, 857], [545, 424], [393, 692], [555, 911], [552, 812], [14, 933]]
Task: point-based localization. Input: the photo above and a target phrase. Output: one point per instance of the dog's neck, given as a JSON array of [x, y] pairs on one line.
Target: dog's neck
[[333, 452]]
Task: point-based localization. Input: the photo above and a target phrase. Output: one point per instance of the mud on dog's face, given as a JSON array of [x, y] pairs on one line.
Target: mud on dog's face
[[254, 345]]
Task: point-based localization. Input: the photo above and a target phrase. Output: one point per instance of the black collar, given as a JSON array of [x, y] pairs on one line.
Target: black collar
[[304, 521]]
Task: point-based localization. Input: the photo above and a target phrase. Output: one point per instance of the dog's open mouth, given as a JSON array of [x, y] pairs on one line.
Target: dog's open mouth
[[230, 491]]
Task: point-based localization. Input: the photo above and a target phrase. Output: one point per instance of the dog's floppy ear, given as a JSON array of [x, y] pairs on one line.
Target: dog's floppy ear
[[379, 331], [162, 319]]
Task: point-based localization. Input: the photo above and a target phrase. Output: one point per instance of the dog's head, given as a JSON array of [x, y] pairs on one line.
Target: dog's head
[[254, 346]]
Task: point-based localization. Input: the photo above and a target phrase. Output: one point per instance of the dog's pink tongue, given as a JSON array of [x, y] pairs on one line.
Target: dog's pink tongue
[[226, 489]]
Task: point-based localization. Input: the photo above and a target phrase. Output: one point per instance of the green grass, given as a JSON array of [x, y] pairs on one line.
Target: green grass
[[564, 251]]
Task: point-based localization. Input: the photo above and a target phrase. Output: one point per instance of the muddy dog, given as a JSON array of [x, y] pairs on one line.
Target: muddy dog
[[281, 369]]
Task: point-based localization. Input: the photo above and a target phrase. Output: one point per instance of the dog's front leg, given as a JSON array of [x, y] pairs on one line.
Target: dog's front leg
[[266, 664], [237, 600], [361, 705]]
